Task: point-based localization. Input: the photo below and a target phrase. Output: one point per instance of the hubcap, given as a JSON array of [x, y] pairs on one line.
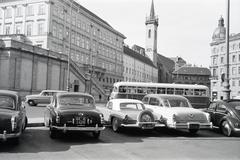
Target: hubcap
[[226, 129]]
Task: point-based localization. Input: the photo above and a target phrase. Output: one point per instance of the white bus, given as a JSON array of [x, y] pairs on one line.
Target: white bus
[[198, 95]]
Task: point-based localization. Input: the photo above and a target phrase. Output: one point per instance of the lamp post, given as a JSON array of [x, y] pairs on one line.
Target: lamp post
[[226, 85], [69, 53]]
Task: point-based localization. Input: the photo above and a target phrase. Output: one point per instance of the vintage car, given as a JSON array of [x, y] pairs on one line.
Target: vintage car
[[226, 116], [13, 120], [176, 112], [127, 113], [42, 98], [73, 111]]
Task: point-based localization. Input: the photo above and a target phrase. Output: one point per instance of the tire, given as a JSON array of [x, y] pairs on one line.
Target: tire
[[32, 103], [53, 132], [193, 131], [96, 134], [115, 125], [25, 124], [226, 128]]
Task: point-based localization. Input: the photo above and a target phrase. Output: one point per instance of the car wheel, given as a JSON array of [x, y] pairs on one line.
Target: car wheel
[[32, 103], [193, 131], [25, 124], [226, 128], [115, 125], [52, 132], [96, 134]]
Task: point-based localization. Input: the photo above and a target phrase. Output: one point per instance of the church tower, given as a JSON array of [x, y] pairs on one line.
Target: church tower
[[151, 35]]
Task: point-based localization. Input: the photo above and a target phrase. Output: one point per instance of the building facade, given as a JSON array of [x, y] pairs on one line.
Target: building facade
[[192, 75], [219, 59], [137, 67], [66, 27], [179, 62], [29, 69]]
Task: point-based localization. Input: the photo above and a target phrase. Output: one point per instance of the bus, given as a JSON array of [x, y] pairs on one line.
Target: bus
[[198, 95]]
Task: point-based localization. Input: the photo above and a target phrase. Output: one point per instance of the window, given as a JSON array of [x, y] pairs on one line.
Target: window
[[18, 28], [154, 101], [54, 32], [8, 29], [149, 33], [214, 60], [221, 108], [233, 83], [19, 11], [233, 58], [30, 10], [222, 59], [239, 70], [29, 29], [234, 71], [41, 9], [8, 13], [214, 72], [40, 28], [212, 106]]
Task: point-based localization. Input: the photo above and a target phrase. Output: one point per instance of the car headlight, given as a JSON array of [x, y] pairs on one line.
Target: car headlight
[[14, 123], [101, 117], [208, 117], [174, 118]]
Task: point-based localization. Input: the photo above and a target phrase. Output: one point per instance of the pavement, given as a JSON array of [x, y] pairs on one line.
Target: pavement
[[36, 114]]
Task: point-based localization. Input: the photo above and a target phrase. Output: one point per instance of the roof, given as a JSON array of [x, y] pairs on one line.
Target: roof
[[165, 96], [137, 56], [167, 62], [193, 71]]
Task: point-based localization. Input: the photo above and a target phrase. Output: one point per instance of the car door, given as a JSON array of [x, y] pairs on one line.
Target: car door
[[221, 111], [212, 110], [49, 111], [108, 111]]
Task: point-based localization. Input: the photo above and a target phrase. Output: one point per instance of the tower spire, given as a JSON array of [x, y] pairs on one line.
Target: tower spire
[[152, 13]]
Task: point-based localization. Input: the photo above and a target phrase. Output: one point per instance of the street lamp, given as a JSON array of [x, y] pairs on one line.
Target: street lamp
[[226, 85], [69, 53]]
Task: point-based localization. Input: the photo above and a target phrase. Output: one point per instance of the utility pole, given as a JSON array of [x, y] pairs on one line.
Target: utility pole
[[69, 53], [226, 85]]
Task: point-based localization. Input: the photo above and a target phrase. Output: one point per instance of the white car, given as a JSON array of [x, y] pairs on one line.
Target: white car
[[176, 112], [120, 113], [42, 98]]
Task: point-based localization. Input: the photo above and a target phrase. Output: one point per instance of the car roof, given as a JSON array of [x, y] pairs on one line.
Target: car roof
[[126, 100], [164, 96], [73, 93], [53, 91], [9, 92]]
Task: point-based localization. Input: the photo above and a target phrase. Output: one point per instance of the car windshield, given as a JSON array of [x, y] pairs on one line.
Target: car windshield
[[76, 100], [131, 106], [175, 102], [7, 102]]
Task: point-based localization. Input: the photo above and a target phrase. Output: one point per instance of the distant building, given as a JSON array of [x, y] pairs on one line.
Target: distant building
[[192, 75], [179, 62], [138, 68], [64, 26], [218, 61]]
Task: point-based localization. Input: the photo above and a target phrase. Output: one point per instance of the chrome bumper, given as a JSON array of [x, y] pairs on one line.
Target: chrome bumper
[[237, 130], [4, 136], [191, 125], [143, 125], [65, 128]]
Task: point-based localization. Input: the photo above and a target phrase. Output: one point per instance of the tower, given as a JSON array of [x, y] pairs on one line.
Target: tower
[[151, 35]]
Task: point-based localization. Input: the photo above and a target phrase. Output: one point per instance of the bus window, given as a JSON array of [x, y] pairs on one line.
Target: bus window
[[196, 92], [131, 89], [122, 89], [188, 91], [151, 90], [161, 90], [139, 90], [203, 92], [170, 90], [178, 91]]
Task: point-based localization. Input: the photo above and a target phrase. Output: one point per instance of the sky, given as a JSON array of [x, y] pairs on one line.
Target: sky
[[185, 26]]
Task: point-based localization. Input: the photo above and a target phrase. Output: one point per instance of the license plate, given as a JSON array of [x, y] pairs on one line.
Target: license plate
[[80, 120], [146, 126], [193, 126]]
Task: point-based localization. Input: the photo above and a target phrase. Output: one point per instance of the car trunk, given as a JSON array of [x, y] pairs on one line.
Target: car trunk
[[5, 120]]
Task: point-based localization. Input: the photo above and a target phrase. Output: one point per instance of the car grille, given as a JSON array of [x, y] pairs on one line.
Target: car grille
[[5, 125]]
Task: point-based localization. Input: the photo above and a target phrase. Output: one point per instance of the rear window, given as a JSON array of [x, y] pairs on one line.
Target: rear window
[[131, 106], [7, 102], [175, 102], [68, 100]]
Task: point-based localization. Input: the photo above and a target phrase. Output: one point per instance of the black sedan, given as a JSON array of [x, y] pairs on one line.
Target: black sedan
[[73, 112], [13, 120], [226, 116]]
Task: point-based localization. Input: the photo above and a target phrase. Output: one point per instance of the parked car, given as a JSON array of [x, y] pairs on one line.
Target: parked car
[[128, 113], [13, 119], [226, 116], [176, 112], [42, 98], [73, 111]]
